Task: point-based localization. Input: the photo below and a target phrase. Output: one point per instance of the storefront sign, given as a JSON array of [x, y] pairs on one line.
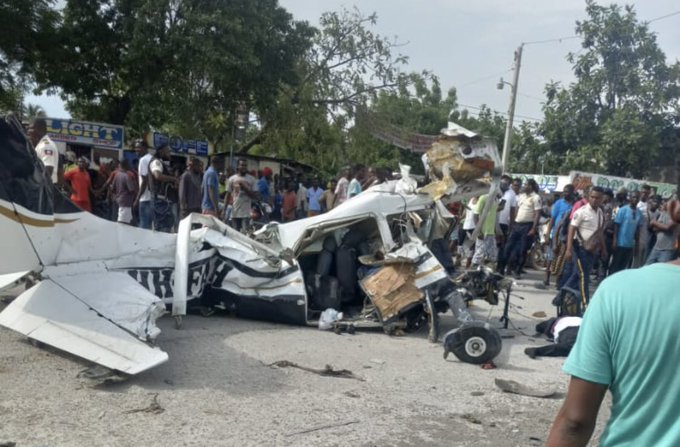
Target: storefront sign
[[583, 180], [86, 133], [182, 146]]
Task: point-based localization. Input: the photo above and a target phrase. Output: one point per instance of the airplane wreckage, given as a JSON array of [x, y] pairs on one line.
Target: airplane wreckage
[[99, 286]]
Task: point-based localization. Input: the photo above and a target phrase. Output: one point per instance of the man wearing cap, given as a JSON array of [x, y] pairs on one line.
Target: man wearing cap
[[45, 148], [143, 199], [161, 186]]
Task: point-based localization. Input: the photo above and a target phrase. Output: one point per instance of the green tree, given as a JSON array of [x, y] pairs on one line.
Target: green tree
[[25, 43], [176, 65], [618, 116], [347, 66]]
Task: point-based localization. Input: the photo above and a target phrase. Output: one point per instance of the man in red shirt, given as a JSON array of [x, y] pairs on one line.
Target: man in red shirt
[[289, 202], [81, 185]]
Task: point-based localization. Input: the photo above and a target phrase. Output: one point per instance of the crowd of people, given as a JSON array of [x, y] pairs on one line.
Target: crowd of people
[[627, 341], [152, 193], [598, 232]]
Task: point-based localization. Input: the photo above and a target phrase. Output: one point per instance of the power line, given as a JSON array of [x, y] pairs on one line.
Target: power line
[[557, 39], [531, 97], [485, 78], [561, 39], [664, 16], [499, 112], [478, 114]]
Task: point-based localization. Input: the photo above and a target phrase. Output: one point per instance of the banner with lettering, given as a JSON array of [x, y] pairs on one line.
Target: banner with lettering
[[582, 180], [86, 133]]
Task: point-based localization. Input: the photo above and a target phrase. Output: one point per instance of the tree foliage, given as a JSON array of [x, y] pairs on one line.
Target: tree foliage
[[346, 67], [617, 115], [25, 43], [179, 65]]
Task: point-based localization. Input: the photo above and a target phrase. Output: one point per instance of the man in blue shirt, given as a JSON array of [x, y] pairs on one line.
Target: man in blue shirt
[[263, 185], [627, 224], [627, 343], [557, 212], [314, 198], [210, 187]]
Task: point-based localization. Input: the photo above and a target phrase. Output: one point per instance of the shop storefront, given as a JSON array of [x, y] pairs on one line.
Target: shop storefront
[[84, 138]]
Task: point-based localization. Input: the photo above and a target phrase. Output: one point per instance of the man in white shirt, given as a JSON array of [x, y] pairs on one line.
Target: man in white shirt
[[45, 148], [242, 189], [144, 195], [584, 241], [341, 188], [524, 229], [506, 215], [301, 200]]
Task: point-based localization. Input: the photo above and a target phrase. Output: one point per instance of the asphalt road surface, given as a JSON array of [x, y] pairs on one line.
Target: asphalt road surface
[[218, 389]]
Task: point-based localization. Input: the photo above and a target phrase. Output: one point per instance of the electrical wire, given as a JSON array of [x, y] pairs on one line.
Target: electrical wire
[[557, 39], [663, 17], [485, 78], [501, 113], [530, 97]]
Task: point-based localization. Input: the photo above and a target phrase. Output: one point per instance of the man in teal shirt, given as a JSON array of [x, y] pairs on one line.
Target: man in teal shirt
[[629, 343]]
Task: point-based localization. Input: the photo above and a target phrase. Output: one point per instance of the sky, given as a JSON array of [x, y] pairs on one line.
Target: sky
[[470, 44]]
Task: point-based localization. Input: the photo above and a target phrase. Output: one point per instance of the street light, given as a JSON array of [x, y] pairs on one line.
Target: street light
[[511, 108]]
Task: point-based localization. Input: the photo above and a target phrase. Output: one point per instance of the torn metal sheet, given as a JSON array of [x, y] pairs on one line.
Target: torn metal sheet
[[461, 163], [102, 285], [51, 314]]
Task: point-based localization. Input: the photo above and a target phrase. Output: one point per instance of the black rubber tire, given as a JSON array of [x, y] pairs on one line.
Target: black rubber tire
[[432, 319], [474, 343]]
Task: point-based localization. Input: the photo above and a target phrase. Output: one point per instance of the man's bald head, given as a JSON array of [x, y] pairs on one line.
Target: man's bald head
[[37, 129]]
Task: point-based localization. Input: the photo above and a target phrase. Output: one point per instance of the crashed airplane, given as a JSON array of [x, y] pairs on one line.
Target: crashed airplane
[[98, 287]]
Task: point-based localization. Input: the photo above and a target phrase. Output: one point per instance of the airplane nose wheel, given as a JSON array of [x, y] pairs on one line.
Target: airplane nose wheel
[[474, 342]]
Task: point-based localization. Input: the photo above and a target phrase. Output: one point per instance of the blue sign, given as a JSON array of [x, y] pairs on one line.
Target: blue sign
[[181, 146], [86, 133]]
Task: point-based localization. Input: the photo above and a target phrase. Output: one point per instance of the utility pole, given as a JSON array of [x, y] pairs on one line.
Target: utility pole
[[511, 109]]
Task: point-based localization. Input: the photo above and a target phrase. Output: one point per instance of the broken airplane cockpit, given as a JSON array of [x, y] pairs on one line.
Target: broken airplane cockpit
[[377, 260]]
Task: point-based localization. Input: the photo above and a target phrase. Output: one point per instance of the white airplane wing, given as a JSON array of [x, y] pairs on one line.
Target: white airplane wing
[[102, 317]]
